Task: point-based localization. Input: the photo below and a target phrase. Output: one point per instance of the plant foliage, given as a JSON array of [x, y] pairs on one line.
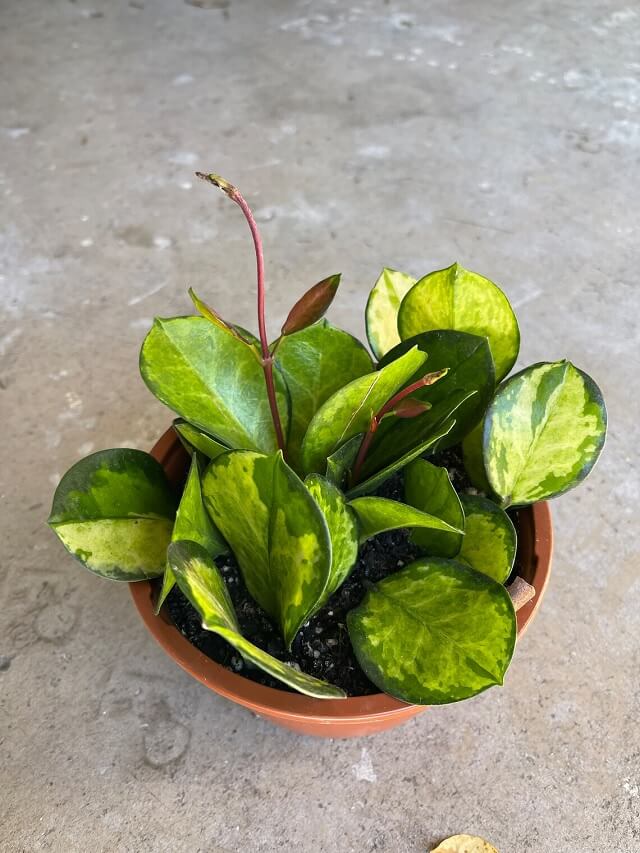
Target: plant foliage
[[290, 440]]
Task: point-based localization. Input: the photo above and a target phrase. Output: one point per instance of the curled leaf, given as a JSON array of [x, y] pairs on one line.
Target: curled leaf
[[210, 314], [410, 408], [312, 305]]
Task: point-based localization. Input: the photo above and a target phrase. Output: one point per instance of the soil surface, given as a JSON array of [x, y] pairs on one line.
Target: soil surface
[[322, 647]]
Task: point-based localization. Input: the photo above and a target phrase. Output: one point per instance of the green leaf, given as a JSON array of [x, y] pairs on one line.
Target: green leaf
[[213, 380], [213, 317], [381, 314], [377, 515], [428, 488], [473, 460], [193, 523], [339, 463], [114, 512], [349, 410], [456, 298], [435, 632], [489, 544], [316, 362], [343, 532], [193, 438], [543, 432], [276, 531], [470, 364], [312, 305], [394, 448], [200, 581]]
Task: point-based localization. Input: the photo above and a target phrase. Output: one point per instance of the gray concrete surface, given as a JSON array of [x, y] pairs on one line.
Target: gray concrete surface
[[504, 135]]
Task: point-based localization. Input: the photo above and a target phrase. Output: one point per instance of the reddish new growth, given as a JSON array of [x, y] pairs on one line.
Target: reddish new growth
[[267, 359], [400, 406]]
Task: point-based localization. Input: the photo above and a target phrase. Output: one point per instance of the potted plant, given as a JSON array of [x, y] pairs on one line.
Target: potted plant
[[338, 530]]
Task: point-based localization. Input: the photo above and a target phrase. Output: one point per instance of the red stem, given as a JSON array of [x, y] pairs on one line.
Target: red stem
[[267, 359], [427, 379]]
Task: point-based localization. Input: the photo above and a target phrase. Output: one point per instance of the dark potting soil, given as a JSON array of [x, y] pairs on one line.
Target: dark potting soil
[[322, 647]]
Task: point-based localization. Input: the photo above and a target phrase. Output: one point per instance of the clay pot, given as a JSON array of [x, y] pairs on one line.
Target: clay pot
[[353, 717]]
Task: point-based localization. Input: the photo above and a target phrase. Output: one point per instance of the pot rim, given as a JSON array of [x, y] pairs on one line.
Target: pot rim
[[295, 707]]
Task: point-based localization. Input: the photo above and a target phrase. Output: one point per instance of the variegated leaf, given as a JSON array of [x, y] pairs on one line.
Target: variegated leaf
[[489, 544], [192, 523], [213, 380], [456, 298], [543, 432], [381, 314], [435, 632], [343, 531], [193, 438], [114, 512], [377, 515], [428, 488], [200, 581], [276, 531], [316, 362], [341, 460], [349, 411]]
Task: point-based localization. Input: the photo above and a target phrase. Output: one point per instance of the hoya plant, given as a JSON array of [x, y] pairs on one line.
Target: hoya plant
[[291, 443]]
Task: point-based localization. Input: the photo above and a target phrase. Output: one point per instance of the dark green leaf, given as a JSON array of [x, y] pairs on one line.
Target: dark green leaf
[[376, 515], [339, 463], [428, 488], [114, 512], [213, 380], [456, 298], [311, 306], [316, 363], [435, 632], [473, 459], [543, 432], [397, 445], [276, 531], [470, 364], [349, 411], [489, 544], [381, 314], [200, 581]]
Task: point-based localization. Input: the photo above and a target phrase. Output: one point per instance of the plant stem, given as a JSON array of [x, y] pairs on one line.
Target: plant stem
[[427, 379], [267, 359]]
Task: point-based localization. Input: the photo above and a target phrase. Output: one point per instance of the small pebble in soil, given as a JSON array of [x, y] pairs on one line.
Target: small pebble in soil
[[322, 647]]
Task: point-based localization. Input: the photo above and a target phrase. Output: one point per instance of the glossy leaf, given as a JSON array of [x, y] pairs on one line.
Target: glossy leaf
[[316, 363], [472, 457], [435, 632], [193, 438], [192, 523], [114, 512], [428, 488], [201, 583], [341, 461], [276, 531], [213, 380], [381, 313], [470, 369], [489, 544], [343, 531], [456, 298], [349, 411], [393, 449], [377, 515], [312, 305], [543, 432]]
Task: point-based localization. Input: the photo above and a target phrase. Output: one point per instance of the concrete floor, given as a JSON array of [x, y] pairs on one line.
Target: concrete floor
[[503, 135]]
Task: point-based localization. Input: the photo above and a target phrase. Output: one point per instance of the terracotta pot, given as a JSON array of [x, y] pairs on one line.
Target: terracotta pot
[[362, 715]]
